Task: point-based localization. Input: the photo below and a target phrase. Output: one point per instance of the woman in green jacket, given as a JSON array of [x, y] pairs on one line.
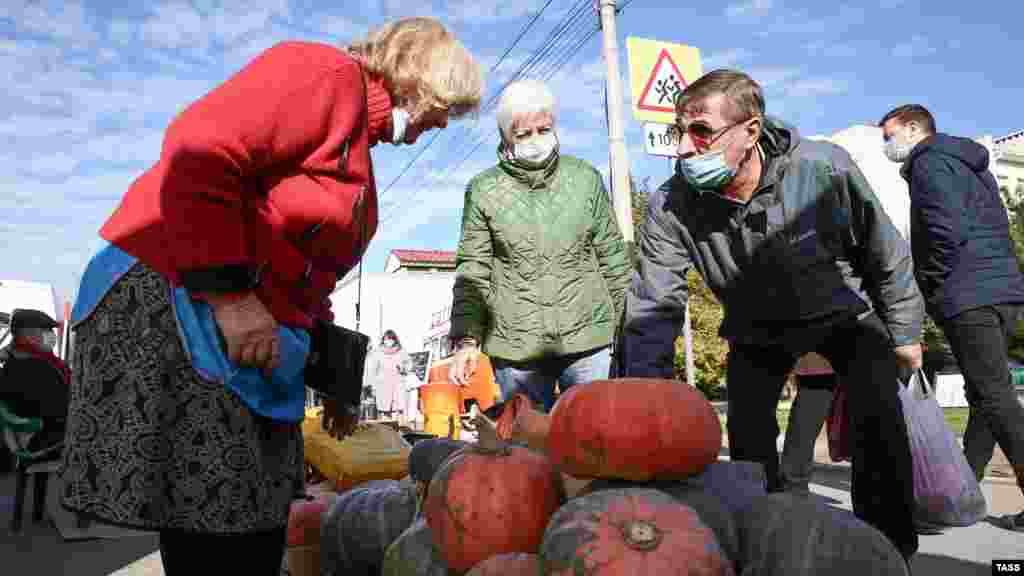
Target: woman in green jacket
[[542, 268]]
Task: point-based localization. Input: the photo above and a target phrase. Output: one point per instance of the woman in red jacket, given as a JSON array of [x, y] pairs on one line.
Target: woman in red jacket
[[193, 325]]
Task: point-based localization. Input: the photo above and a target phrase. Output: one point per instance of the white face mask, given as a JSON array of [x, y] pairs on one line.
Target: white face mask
[[536, 149], [399, 121], [898, 147]]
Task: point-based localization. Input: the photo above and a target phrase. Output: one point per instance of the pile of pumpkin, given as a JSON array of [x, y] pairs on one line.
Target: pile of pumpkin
[[622, 478]]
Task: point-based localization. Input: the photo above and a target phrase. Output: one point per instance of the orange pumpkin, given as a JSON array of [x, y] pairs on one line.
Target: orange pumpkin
[[634, 429], [507, 565], [520, 421], [630, 532], [487, 501]]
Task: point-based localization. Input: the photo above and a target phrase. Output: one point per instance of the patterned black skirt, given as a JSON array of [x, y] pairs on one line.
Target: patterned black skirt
[[152, 445]]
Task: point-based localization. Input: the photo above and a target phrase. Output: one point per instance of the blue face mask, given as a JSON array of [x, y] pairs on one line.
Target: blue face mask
[[706, 172]]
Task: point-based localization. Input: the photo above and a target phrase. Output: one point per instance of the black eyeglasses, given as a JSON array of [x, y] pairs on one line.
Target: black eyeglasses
[[700, 133]]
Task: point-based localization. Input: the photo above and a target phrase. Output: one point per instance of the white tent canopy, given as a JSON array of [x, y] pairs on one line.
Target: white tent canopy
[[864, 143]]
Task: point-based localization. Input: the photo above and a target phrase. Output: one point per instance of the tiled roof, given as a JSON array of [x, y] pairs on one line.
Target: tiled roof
[[1011, 136], [425, 256]]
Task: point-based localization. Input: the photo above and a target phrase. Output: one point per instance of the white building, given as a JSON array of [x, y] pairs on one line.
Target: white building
[[407, 298], [1008, 165]]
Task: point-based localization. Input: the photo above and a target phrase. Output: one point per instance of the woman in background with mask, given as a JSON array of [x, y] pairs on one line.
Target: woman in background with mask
[[384, 370], [542, 269]]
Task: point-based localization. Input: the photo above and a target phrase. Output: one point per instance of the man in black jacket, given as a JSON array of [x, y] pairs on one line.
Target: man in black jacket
[[966, 268], [793, 242]]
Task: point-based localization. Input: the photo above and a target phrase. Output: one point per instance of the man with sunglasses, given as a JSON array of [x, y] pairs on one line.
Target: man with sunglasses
[[789, 236]]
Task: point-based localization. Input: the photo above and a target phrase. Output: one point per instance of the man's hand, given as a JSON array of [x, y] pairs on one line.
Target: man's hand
[[909, 357], [464, 364], [249, 330]]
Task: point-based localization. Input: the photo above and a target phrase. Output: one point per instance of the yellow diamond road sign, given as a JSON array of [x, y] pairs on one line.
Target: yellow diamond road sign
[[657, 72]]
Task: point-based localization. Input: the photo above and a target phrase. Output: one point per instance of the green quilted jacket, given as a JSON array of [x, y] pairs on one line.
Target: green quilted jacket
[[541, 268]]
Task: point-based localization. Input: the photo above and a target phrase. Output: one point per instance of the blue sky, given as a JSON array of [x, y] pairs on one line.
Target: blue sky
[[89, 87]]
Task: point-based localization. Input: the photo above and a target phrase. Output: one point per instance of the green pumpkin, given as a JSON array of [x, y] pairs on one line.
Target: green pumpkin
[[414, 554], [362, 523], [781, 534]]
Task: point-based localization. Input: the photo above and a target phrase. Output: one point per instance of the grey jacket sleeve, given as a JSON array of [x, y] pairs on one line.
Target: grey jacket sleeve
[[882, 258], [656, 299]]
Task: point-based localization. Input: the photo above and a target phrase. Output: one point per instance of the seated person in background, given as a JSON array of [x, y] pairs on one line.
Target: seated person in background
[[34, 382]]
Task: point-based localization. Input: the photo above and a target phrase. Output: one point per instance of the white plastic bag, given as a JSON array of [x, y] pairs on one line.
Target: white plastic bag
[[946, 493]]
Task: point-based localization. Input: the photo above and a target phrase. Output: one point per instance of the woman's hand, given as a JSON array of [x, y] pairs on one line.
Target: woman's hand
[[464, 363], [248, 328]]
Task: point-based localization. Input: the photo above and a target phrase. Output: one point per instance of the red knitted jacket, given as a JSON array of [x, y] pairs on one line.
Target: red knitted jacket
[[265, 183]]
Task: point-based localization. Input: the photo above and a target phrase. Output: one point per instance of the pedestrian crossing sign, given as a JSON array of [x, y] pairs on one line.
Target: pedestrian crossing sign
[[658, 71]]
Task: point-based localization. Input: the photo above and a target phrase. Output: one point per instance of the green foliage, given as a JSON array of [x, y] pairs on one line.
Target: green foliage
[[638, 197], [709, 350], [1015, 207]]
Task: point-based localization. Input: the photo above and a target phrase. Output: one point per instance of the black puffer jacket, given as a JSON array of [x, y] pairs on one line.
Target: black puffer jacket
[[959, 230]]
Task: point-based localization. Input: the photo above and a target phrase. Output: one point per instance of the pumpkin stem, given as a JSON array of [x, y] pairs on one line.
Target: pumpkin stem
[[487, 436], [641, 535]]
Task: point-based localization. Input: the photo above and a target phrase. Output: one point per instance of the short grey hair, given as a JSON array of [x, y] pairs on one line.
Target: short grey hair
[[523, 97]]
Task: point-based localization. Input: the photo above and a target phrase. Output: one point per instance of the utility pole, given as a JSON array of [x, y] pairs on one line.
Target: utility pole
[[619, 161]]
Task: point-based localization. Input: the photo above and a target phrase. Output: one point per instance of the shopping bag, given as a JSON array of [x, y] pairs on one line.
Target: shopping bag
[[946, 492], [838, 426]]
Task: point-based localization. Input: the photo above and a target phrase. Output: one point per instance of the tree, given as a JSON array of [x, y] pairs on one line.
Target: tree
[[709, 350], [1015, 210]]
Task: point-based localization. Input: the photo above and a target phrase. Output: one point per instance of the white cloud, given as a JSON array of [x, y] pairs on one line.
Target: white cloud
[[38, 126], [822, 86], [175, 25], [407, 8], [726, 58], [51, 228], [62, 20], [125, 147], [491, 10], [340, 28], [57, 164], [748, 8], [580, 88], [228, 25], [829, 49], [769, 21], [770, 76], [917, 46]]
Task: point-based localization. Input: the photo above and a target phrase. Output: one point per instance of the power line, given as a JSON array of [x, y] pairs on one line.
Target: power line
[[491, 71], [536, 60], [623, 7], [564, 58], [535, 57]]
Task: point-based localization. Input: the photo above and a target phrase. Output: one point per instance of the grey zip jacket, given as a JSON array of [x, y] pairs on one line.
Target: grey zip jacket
[[813, 246]]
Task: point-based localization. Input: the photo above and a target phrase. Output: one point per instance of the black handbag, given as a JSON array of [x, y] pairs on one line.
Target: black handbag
[[336, 361]]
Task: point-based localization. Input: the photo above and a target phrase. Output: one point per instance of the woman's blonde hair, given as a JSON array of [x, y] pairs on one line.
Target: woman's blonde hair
[[420, 61]]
